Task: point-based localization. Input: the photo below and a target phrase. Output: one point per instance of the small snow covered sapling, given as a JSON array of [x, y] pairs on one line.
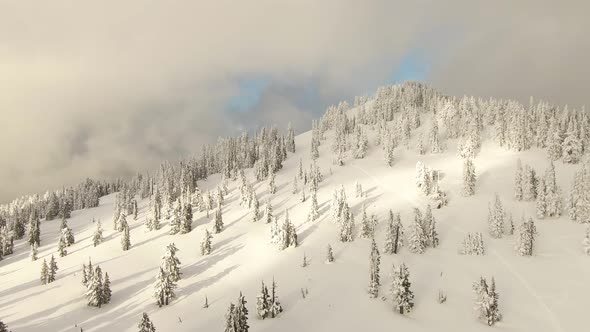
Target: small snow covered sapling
[[442, 296], [330, 255]]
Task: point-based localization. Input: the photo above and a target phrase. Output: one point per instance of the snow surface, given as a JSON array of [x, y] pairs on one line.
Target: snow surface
[[546, 292]]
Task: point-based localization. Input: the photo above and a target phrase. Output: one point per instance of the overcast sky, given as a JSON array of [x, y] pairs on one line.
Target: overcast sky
[[106, 88]]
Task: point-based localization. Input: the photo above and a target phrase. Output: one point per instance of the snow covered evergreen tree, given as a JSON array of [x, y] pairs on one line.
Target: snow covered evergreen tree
[[106, 288], [335, 206], [468, 177], [525, 239], [518, 180], [290, 142], [164, 288], [554, 150], [171, 263], [529, 184], [314, 212], [44, 273], [428, 226], [496, 219], [346, 221], [218, 226], [176, 219], [366, 226], [97, 236], [230, 323], [417, 239], [263, 302], [288, 233], [401, 293], [61, 245], [52, 270], [361, 144], [295, 186], [433, 235], [95, 294], [34, 231], [394, 234], [435, 145], [146, 325], [571, 148], [389, 150], [34, 252], [268, 213], [577, 202], [87, 273], [3, 327], [553, 194], [272, 188], [186, 225], [69, 234], [241, 315], [255, 208], [420, 147], [510, 225], [275, 232], [375, 260], [206, 243], [541, 202], [330, 254], [125, 238]]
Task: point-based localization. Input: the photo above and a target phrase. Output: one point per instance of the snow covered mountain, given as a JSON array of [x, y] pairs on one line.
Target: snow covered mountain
[[375, 145]]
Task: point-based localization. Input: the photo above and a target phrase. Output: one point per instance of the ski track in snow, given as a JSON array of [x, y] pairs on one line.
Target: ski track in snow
[[553, 318]]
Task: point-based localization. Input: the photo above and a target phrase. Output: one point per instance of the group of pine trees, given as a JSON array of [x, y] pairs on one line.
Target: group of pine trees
[[472, 244], [501, 223], [486, 303], [394, 234], [529, 186], [422, 232], [427, 183], [342, 215], [268, 304], [48, 271], [285, 235], [236, 318], [98, 286]]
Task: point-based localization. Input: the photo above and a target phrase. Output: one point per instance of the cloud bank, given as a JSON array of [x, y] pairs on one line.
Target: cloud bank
[[105, 89]]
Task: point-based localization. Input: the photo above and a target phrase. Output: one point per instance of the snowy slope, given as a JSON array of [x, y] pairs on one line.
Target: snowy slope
[[546, 292]]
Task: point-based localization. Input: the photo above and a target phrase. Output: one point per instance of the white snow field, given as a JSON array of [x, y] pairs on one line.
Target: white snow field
[[549, 291]]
